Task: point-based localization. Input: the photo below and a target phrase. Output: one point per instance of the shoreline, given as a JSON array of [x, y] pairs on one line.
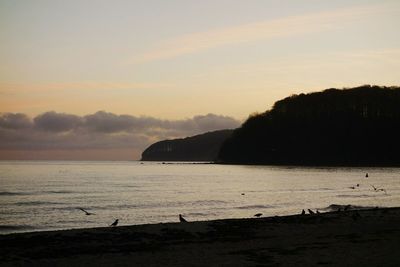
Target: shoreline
[[368, 237]]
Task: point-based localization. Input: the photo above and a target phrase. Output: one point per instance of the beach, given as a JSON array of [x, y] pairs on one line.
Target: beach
[[368, 237]]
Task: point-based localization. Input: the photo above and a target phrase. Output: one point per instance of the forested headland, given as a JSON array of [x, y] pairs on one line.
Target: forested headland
[[355, 126]]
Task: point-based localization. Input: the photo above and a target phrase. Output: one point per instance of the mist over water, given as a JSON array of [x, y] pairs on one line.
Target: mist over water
[[45, 195]]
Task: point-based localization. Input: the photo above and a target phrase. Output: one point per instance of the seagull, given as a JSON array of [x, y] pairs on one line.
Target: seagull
[[181, 219], [114, 223], [303, 212], [310, 211], [378, 189], [86, 212], [257, 215]]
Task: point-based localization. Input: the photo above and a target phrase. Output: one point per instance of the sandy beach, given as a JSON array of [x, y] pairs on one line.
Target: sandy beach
[[351, 238]]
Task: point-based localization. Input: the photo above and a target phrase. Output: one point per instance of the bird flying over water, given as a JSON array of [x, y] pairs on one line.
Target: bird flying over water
[[181, 219], [114, 223], [376, 189], [86, 212], [257, 215]]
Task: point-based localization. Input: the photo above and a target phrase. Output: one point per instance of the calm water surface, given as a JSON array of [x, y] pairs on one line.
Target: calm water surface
[[45, 195]]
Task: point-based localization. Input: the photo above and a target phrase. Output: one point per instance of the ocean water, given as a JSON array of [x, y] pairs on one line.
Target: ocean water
[[46, 195]]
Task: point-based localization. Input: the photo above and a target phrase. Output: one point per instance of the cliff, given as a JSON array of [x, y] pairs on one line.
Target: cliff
[[357, 126], [203, 147]]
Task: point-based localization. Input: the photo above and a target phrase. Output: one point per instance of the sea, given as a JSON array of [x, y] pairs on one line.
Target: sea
[[48, 195]]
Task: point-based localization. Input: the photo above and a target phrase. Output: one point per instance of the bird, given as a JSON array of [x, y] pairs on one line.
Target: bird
[[257, 215], [378, 189], [352, 187], [310, 211], [181, 219], [114, 223], [243, 194], [318, 212], [86, 212], [366, 175], [303, 212], [357, 185]]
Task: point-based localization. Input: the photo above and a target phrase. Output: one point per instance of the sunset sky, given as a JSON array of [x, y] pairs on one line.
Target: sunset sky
[[163, 69]]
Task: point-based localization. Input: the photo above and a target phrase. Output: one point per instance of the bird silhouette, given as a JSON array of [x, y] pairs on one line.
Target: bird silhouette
[[366, 175], [318, 212], [303, 212], [376, 189], [181, 219], [114, 223], [310, 211], [258, 215], [86, 212]]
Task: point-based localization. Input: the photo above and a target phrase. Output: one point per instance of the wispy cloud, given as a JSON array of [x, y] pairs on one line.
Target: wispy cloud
[[9, 87], [251, 32]]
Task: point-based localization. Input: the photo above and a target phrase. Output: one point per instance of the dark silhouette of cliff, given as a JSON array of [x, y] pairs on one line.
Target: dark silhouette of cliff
[[203, 147], [357, 126]]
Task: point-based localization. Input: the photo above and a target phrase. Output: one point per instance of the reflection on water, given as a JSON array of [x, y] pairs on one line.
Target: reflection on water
[[45, 195]]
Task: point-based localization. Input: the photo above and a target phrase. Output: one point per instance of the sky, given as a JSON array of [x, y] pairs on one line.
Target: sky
[[151, 70]]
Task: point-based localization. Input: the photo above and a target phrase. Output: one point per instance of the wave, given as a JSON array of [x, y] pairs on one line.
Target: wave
[[16, 227], [335, 207], [57, 192], [354, 196], [37, 203], [8, 193], [249, 207]]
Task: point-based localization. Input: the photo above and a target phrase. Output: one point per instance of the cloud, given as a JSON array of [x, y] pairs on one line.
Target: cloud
[[99, 131], [251, 32], [14, 121], [57, 122]]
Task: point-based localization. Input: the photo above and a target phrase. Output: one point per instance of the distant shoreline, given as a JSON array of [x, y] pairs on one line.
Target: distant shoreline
[[348, 238]]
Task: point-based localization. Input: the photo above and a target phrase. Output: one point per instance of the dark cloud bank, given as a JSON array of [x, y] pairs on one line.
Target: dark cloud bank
[[99, 131]]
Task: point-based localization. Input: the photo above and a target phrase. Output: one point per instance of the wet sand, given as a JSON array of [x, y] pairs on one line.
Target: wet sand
[[352, 238]]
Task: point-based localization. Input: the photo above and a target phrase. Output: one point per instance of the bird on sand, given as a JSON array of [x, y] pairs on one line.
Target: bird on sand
[[181, 219], [114, 223], [258, 215], [85, 211], [310, 211], [303, 212]]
